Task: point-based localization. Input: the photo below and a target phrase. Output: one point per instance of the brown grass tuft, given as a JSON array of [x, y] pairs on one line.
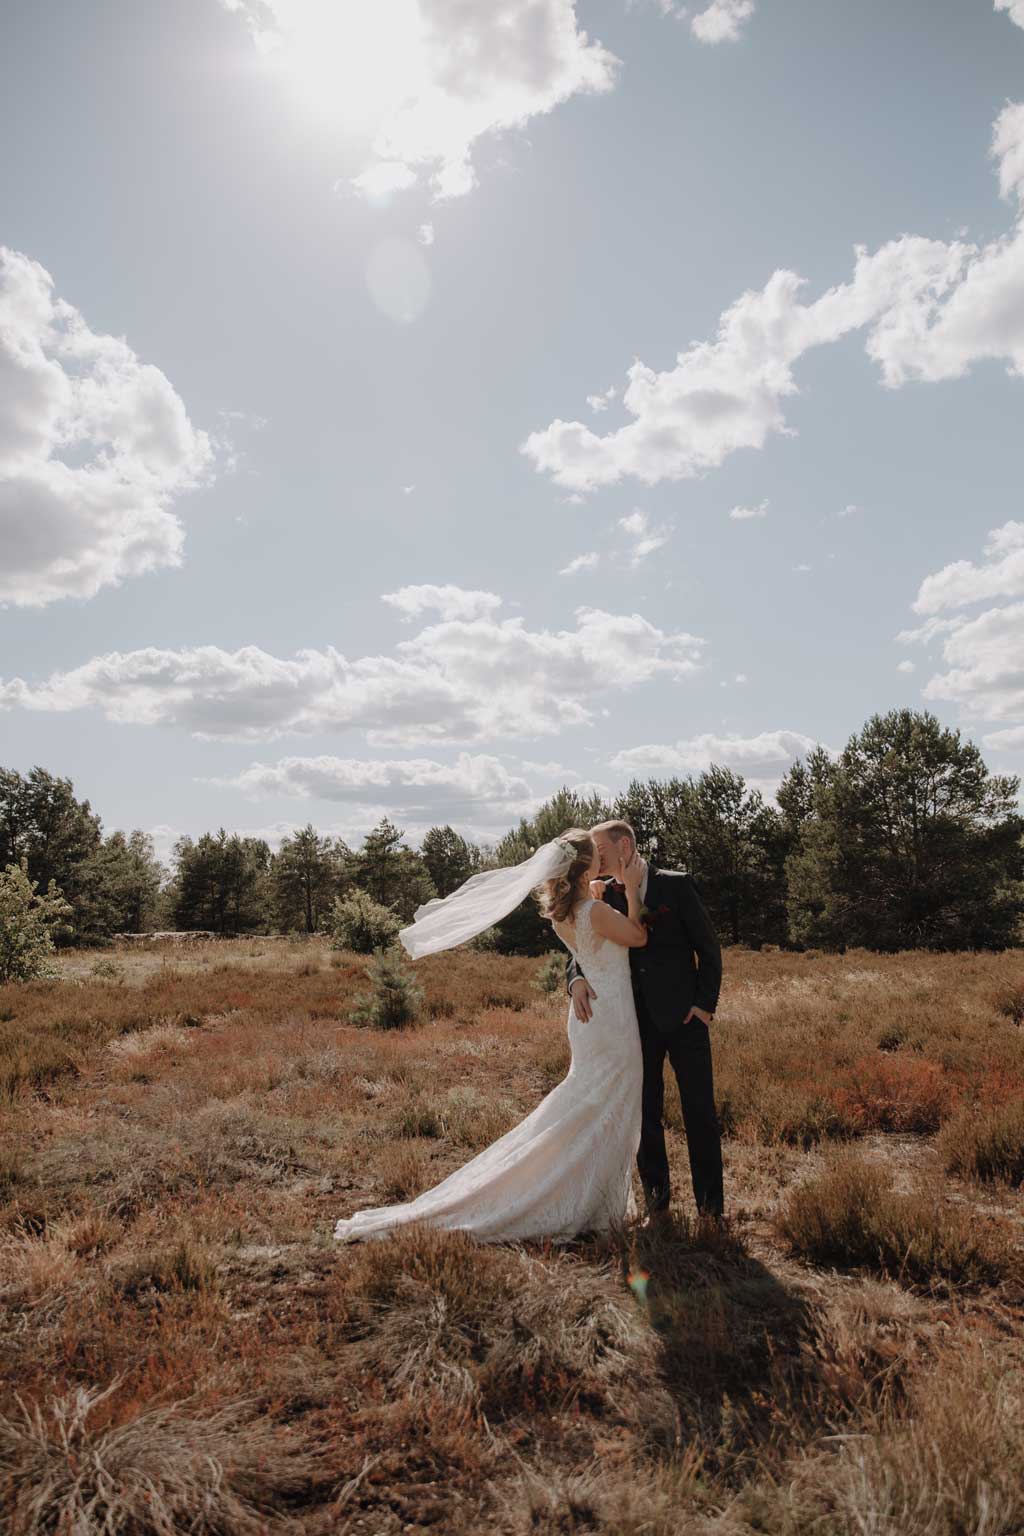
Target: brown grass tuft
[[850, 1216], [65, 1466], [986, 1145]]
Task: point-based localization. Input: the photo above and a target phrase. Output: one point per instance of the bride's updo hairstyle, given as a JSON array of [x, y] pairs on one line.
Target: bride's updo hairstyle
[[557, 897]]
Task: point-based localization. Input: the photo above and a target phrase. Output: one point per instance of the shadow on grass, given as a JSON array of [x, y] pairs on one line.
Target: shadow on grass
[[747, 1361]]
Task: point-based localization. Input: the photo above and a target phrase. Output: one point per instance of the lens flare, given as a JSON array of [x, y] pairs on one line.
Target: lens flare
[[637, 1281]]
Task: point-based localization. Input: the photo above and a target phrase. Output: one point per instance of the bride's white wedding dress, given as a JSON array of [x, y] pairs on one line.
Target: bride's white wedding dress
[[566, 1168]]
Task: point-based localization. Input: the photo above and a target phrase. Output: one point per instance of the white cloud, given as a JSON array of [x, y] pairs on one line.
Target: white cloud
[[802, 567], [666, 7], [450, 602], [459, 681], [741, 514], [905, 666], [472, 785], [762, 759], [723, 21], [964, 582], [95, 448], [1008, 149], [985, 657], [1014, 9], [931, 309], [741, 677], [407, 490], [645, 538], [1010, 740], [425, 234], [926, 632], [379, 182], [848, 511], [581, 563], [600, 401], [423, 81]]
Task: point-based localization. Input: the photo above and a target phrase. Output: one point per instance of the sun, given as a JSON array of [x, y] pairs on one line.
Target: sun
[[356, 66]]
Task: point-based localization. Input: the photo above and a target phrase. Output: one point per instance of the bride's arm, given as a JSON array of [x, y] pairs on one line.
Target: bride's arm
[[621, 927]]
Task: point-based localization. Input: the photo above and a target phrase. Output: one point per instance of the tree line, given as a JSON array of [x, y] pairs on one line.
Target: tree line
[[904, 840]]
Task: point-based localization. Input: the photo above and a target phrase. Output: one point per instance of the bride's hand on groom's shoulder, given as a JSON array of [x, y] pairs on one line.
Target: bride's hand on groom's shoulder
[[597, 889]]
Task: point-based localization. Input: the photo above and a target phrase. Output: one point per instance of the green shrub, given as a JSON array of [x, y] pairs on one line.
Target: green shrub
[[362, 924], [395, 998], [108, 970], [28, 923], [550, 975]]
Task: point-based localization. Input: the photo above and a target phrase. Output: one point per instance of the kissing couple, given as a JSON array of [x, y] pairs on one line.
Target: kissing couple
[[644, 973]]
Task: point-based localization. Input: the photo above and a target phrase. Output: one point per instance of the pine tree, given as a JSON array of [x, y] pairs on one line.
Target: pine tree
[[222, 883], [909, 842], [449, 858], [390, 873], [395, 997], [307, 873]]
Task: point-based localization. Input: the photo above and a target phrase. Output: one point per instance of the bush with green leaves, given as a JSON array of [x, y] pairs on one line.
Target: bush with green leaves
[[550, 976], [28, 923], [362, 924], [395, 998]]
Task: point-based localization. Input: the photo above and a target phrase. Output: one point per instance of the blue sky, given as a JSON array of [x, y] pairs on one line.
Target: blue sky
[[414, 407]]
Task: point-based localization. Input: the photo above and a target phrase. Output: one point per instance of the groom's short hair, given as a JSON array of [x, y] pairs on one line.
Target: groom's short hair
[[615, 831]]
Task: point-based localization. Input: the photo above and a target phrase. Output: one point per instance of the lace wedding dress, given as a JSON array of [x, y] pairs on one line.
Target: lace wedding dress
[[566, 1168]]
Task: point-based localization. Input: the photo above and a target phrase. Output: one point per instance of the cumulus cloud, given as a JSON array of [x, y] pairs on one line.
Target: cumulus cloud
[[585, 562], [984, 655], [95, 449], [931, 309], [450, 602], [472, 785], [743, 514], [762, 759], [1011, 740], [1013, 8], [423, 81], [644, 539], [459, 681], [600, 401], [723, 21], [965, 582]]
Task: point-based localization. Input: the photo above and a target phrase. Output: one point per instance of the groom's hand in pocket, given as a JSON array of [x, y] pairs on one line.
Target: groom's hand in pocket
[[583, 995], [698, 1013]]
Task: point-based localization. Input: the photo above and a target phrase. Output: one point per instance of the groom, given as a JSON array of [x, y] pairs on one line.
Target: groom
[[676, 980]]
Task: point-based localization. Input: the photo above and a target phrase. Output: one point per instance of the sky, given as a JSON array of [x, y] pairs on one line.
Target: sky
[[409, 408]]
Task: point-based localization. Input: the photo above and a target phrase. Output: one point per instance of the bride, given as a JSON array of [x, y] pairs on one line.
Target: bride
[[566, 1168]]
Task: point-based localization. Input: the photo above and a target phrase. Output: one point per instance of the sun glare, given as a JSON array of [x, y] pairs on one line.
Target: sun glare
[[354, 65]]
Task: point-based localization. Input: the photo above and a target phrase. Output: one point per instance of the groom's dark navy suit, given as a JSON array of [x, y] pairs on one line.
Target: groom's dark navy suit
[[679, 968]]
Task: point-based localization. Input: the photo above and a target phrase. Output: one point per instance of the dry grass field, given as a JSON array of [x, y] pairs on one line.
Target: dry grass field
[[185, 1348]]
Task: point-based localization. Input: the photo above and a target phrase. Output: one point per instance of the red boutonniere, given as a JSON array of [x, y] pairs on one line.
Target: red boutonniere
[[650, 918]]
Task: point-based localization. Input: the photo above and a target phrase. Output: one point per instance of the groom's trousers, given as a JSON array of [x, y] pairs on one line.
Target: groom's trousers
[[688, 1048]]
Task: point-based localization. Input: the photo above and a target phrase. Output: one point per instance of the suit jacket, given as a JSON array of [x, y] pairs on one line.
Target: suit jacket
[[680, 967]]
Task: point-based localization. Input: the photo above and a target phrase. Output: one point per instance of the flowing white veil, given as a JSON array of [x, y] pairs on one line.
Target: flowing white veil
[[482, 900]]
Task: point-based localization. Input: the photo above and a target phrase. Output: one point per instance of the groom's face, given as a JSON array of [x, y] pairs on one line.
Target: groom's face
[[609, 853]]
